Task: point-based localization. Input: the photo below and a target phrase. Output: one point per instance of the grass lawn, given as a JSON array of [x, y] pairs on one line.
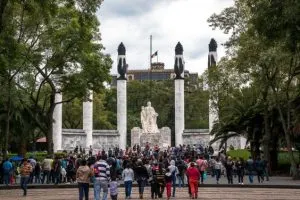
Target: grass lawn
[[283, 156]]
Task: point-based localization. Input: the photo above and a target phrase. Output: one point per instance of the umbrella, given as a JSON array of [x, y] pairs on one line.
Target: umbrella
[[16, 158], [41, 140]]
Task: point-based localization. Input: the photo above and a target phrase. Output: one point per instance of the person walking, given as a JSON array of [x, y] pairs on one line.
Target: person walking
[[181, 169], [193, 176], [141, 177], [202, 166], [83, 175], [102, 177], [168, 181], [25, 172], [218, 168], [113, 187], [128, 177]]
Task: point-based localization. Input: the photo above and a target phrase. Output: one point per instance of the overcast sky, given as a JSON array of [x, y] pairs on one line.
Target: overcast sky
[[168, 21]]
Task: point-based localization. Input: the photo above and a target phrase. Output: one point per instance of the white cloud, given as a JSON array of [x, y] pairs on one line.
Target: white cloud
[[168, 21]]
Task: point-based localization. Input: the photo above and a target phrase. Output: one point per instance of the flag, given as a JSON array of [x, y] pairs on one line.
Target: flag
[[153, 55]]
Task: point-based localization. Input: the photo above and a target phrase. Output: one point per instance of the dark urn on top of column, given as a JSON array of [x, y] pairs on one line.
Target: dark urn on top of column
[[212, 47], [122, 66], [179, 63]]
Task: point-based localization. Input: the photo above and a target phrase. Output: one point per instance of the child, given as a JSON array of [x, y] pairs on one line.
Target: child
[[113, 186], [168, 181]]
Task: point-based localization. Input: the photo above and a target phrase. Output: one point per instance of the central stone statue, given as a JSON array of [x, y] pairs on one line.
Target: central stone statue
[[148, 119]]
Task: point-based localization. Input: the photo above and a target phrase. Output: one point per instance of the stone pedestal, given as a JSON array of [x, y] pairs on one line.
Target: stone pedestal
[[88, 120], [122, 112], [179, 111], [162, 139], [57, 123]]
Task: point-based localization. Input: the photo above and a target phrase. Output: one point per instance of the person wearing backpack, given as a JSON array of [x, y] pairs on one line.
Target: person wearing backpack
[[181, 171]]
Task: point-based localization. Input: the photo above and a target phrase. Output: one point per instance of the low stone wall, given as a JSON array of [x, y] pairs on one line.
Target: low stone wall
[[196, 137], [102, 139]]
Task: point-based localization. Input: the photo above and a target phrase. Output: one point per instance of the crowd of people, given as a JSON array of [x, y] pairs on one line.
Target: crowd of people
[[183, 166]]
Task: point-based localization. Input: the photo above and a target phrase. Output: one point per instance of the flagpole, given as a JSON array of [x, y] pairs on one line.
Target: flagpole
[[150, 69]]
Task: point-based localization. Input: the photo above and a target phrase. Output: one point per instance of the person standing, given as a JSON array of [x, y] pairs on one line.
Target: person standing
[[229, 170], [174, 171], [102, 177], [250, 168], [46, 166], [141, 177], [25, 171], [7, 171], [83, 175], [128, 177], [259, 167], [193, 177], [240, 170]]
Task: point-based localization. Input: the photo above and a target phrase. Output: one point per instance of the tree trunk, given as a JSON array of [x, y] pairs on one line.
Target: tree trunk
[[7, 120], [49, 135], [23, 148], [267, 136]]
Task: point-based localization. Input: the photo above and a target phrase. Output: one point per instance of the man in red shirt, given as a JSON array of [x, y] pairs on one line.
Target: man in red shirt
[[193, 177]]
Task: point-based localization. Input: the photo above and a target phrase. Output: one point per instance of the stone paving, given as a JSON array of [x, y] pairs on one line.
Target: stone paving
[[204, 193]]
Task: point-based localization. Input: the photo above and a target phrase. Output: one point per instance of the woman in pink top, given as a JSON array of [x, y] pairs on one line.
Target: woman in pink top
[[193, 177]]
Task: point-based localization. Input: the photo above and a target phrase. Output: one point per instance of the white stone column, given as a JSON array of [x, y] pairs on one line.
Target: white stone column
[[88, 120], [179, 111], [122, 112], [57, 123], [213, 115]]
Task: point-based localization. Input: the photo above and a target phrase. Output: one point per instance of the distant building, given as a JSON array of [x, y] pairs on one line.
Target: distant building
[[157, 73]]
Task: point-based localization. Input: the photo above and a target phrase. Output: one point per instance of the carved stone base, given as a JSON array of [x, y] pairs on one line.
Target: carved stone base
[[162, 139]]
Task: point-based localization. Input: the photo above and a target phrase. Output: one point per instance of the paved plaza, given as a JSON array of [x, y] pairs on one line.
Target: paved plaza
[[204, 193]]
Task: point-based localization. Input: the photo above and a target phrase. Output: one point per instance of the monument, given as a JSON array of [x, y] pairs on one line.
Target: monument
[[149, 133]]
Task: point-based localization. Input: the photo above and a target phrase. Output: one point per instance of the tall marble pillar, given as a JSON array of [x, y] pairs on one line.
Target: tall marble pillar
[[88, 119], [179, 94], [57, 123], [122, 96], [212, 62]]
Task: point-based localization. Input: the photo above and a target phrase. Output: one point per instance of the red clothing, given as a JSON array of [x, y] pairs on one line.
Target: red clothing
[[194, 187], [193, 173]]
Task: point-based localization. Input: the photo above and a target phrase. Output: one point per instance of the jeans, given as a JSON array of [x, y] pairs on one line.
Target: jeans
[[141, 184], [83, 191], [128, 186], [98, 185], [218, 174], [46, 174], [37, 178], [6, 177], [180, 180], [250, 176], [202, 176], [174, 185], [24, 182]]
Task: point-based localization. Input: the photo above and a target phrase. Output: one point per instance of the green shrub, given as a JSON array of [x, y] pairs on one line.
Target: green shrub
[[243, 153]]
